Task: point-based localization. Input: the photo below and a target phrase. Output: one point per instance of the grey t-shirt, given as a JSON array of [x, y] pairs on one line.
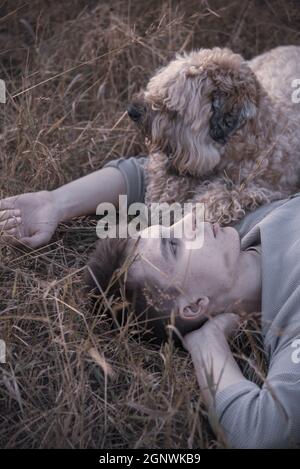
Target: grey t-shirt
[[267, 416], [133, 171]]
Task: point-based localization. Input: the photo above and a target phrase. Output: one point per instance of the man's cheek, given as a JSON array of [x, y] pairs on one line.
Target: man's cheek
[[226, 258]]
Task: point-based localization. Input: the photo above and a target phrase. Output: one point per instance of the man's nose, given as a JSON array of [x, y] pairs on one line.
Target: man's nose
[[133, 112]]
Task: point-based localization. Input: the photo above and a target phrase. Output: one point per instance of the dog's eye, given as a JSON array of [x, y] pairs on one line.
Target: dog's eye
[[216, 102], [229, 120]]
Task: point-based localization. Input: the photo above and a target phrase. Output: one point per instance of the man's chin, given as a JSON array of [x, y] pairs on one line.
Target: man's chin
[[234, 238]]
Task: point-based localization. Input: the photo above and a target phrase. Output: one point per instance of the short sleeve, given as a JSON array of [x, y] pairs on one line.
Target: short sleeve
[[133, 171]]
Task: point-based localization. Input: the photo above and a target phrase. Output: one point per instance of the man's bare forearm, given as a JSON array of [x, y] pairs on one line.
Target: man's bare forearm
[[214, 364], [82, 196]]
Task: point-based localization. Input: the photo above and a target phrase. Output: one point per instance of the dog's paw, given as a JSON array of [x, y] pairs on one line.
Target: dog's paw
[[222, 206]]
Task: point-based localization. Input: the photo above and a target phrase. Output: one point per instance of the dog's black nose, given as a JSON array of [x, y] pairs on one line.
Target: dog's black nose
[[133, 112]]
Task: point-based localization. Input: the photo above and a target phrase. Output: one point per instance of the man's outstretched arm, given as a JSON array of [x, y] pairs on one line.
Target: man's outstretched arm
[[82, 196], [33, 217]]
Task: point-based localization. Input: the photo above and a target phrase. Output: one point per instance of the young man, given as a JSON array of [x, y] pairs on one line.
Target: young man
[[253, 266]]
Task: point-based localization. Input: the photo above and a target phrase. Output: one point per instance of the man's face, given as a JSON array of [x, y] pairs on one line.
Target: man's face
[[196, 272]]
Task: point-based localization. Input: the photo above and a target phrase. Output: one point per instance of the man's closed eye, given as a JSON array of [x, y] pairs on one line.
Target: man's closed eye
[[173, 246]]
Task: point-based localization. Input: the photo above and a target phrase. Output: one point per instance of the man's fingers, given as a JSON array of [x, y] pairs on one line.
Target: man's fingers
[[13, 237], [10, 236], [6, 214], [35, 241], [9, 203], [10, 223], [227, 323], [11, 232]]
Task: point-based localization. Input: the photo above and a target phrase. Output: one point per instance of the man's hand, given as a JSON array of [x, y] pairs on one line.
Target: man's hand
[[33, 217], [214, 363], [30, 218], [224, 325]]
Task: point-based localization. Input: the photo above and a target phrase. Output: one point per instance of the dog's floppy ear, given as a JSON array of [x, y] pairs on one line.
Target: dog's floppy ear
[[227, 117]]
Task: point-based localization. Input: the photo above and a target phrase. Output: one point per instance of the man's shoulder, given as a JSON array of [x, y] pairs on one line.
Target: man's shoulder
[[253, 218]]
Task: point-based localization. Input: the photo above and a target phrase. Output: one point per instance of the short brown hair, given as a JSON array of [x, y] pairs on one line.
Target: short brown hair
[[107, 272]]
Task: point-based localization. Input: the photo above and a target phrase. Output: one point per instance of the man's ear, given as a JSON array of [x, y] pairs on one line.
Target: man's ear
[[228, 117], [193, 310]]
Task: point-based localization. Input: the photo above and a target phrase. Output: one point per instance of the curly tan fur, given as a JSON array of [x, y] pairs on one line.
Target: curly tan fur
[[222, 130]]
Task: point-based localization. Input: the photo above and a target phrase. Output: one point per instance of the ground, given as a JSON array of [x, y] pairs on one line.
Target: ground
[[70, 69]]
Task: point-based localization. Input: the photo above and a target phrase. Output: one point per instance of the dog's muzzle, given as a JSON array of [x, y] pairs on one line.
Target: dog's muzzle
[[133, 113]]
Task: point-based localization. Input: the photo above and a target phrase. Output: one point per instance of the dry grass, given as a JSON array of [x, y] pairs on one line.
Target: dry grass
[[70, 69]]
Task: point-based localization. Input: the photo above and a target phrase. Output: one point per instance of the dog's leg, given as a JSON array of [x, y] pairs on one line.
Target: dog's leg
[[228, 205], [156, 177], [162, 186]]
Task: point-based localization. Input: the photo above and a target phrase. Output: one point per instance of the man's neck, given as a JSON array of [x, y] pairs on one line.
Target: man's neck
[[245, 295]]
